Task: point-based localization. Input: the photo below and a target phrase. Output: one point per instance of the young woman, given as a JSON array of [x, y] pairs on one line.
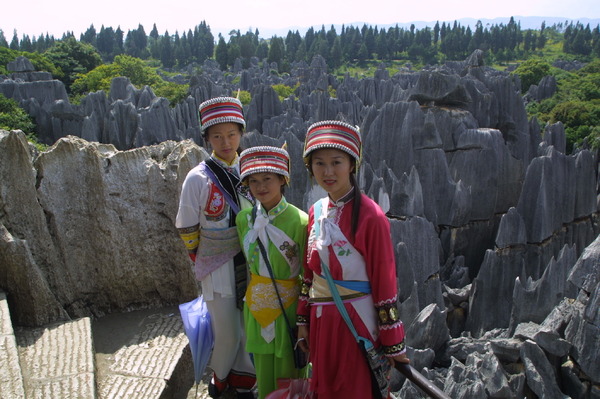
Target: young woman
[[281, 229], [354, 242], [211, 196]]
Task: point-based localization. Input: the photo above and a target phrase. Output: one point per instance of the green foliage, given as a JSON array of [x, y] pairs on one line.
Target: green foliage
[[576, 104], [531, 72], [73, 58], [174, 92], [245, 97], [332, 91], [13, 117], [138, 73], [39, 61], [284, 91]]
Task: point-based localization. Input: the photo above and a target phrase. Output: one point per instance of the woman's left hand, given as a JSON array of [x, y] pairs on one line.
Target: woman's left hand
[[399, 358]]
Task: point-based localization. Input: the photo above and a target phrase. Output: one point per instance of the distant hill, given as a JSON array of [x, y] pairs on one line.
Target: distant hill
[[526, 23]]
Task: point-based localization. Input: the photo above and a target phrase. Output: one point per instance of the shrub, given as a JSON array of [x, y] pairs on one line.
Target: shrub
[[13, 117], [531, 72]]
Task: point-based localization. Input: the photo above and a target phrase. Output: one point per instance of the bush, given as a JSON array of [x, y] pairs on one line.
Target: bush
[[245, 97], [13, 117], [40, 62], [138, 73], [531, 72], [284, 91]]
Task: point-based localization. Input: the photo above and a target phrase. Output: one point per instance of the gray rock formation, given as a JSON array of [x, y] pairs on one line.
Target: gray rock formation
[[92, 228], [20, 64], [491, 225]]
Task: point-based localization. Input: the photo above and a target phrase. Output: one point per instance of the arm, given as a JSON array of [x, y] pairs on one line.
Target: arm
[[381, 268], [188, 215], [303, 310]]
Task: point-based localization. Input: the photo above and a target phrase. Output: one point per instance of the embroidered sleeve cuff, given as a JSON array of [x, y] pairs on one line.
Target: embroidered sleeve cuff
[[388, 314], [394, 350], [190, 237]]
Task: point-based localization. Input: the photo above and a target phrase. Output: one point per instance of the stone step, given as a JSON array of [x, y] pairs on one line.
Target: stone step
[[57, 361], [142, 354], [11, 379]]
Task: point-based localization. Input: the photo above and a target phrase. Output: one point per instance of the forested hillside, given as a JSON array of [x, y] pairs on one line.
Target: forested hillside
[[567, 52]]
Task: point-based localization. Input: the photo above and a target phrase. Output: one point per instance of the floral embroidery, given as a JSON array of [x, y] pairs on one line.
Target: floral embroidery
[[291, 251], [216, 206], [343, 250]]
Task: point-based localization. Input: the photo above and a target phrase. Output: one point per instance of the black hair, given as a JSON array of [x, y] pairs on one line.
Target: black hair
[[357, 202]]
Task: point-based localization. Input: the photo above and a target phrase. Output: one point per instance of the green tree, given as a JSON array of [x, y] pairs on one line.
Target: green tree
[[14, 43], [89, 36], [336, 54], [221, 53], [167, 54], [531, 72], [276, 50], [136, 43], [73, 58], [3, 42]]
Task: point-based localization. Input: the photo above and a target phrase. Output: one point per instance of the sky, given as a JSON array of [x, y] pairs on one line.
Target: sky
[[58, 16]]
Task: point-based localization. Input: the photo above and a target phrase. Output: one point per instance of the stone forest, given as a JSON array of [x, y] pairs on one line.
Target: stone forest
[[495, 227]]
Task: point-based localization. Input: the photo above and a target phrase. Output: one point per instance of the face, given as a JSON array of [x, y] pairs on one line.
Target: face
[[332, 168], [266, 188], [224, 139]]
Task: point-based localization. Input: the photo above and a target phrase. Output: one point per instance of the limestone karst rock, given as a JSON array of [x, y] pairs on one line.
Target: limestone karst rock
[[94, 227], [488, 215]]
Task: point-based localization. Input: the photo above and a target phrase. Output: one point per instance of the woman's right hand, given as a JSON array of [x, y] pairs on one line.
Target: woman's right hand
[[302, 341]]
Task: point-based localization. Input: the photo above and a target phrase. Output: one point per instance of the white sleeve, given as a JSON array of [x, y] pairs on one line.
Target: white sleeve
[[191, 200]]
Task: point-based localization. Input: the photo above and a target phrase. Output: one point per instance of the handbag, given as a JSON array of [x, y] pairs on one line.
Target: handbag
[[297, 388], [379, 366], [300, 358]]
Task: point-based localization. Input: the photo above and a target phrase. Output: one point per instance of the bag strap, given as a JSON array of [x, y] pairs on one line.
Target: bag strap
[[342, 309], [317, 209], [265, 257]]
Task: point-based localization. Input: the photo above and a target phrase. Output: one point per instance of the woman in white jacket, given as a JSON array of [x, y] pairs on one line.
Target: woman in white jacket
[[211, 197]]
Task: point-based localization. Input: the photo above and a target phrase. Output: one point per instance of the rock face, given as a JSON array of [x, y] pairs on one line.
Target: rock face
[[494, 229], [89, 230]]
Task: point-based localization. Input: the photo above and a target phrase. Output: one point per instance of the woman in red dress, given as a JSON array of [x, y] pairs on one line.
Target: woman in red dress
[[350, 234]]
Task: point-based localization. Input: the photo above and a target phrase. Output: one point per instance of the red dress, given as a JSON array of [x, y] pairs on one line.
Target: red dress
[[339, 368]]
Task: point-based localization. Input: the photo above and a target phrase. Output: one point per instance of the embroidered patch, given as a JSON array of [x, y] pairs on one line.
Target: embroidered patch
[[343, 249], [216, 205], [291, 251]]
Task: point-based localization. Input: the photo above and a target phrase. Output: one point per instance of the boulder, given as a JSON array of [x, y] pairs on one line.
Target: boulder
[[20, 64], [428, 330], [540, 375], [83, 244]]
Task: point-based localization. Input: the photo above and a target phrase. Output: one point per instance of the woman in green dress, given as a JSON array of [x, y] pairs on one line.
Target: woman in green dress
[[281, 229]]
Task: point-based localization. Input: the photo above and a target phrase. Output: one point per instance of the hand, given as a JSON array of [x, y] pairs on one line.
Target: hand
[[399, 358], [302, 341]]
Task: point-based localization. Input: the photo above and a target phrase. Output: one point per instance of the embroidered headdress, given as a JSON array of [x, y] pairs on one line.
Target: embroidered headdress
[[333, 134], [221, 110], [264, 159]]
